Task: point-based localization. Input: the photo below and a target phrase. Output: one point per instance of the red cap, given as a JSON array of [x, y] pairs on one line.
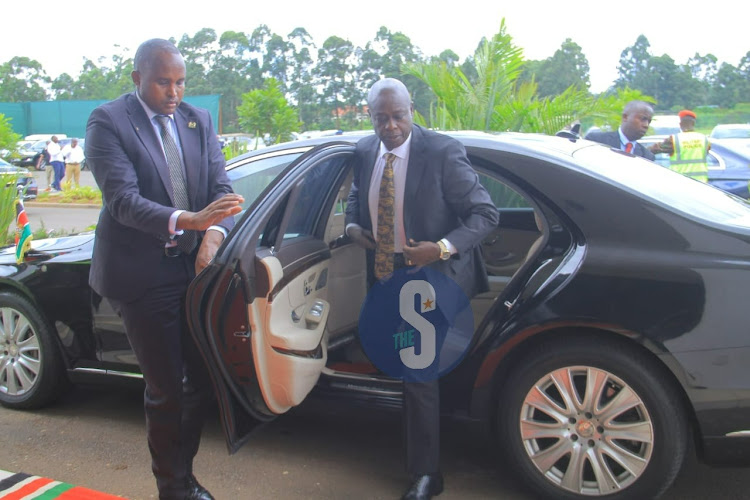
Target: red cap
[[686, 112]]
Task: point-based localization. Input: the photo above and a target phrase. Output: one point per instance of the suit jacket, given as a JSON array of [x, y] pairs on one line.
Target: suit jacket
[[442, 199], [127, 160], [612, 139]]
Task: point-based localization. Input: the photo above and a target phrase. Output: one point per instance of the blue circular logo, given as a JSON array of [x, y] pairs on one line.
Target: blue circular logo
[[416, 324]]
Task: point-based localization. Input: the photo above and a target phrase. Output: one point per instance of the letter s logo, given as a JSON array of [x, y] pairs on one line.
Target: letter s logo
[[426, 329]]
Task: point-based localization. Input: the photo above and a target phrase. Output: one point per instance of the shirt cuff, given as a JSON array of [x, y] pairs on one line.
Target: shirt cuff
[[221, 229], [350, 225], [173, 231], [449, 246]]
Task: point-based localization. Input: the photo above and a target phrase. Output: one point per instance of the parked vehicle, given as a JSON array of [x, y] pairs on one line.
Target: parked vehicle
[[731, 131], [614, 338], [25, 183]]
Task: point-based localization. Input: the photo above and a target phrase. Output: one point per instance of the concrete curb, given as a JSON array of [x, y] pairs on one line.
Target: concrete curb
[[61, 205]]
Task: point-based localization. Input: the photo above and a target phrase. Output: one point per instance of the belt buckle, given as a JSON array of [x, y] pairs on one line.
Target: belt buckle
[[172, 252]]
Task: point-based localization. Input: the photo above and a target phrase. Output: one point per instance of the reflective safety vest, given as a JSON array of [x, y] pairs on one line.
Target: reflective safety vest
[[689, 156]]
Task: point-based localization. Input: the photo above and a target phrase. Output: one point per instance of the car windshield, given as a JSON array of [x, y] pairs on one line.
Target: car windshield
[[731, 132], [665, 187]]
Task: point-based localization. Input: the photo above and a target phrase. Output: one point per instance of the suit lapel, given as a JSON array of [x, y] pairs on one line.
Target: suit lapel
[[146, 133], [414, 172], [371, 154]]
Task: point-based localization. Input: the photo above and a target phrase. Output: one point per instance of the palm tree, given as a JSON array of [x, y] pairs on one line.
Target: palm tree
[[495, 100]]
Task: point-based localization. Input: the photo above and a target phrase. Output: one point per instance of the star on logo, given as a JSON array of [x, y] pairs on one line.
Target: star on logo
[[427, 305]]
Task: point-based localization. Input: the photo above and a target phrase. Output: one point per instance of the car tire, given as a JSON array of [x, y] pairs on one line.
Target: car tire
[[31, 365], [569, 446]]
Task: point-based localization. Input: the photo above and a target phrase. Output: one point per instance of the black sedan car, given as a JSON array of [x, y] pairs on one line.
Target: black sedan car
[[25, 184], [614, 337]]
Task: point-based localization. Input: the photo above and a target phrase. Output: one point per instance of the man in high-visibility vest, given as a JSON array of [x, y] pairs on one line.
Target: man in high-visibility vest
[[689, 149]]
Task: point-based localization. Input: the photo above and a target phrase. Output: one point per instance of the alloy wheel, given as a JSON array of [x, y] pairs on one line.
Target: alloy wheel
[[20, 355], [586, 430]]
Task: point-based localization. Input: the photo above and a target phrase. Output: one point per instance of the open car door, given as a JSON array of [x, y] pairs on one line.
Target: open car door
[[258, 313]]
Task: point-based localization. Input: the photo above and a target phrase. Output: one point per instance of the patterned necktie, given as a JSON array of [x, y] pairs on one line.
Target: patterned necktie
[[384, 247], [629, 147], [186, 242]]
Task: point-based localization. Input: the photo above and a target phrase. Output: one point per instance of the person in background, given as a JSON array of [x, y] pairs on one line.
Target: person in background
[[43, 160], [690, 149], [73, 155], [636, 118], [57, 161], [168, 204]]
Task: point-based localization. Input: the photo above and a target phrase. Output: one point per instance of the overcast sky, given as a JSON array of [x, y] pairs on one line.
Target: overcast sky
[[59, 35]]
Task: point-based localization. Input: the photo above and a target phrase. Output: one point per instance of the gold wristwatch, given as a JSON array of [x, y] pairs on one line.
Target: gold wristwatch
[[445, 254]]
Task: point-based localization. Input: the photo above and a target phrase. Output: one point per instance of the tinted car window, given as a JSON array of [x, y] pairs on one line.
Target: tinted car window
[[502, 195], [251, 177], [314, 189]]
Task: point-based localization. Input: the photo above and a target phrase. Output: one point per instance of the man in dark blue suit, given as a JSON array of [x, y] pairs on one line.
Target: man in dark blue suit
[[168, 205], [636, 118], [441, 214]]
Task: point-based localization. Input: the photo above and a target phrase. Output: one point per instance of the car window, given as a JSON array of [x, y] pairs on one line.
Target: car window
[[250, 177], [502, 195], [313, 193]]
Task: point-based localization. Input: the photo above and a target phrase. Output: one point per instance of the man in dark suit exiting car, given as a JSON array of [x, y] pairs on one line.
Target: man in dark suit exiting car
[[416, 200]]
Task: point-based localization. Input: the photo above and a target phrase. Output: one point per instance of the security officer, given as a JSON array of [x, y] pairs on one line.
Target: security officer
[[689, 149]]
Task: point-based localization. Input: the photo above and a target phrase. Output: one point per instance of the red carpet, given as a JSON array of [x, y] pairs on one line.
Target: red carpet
[[17, 486]]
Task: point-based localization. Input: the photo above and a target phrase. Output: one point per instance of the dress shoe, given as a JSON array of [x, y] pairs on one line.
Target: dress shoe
[[424, 487], [196, 491]]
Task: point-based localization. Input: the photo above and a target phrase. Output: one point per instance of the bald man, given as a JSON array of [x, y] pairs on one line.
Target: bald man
[[441, 214], [636, 118]]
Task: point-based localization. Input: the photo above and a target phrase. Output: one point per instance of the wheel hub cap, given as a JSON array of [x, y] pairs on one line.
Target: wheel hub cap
[[585, 429]]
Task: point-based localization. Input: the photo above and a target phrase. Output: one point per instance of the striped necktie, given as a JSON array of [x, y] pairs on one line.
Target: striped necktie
[[384, 247], [186, 242]]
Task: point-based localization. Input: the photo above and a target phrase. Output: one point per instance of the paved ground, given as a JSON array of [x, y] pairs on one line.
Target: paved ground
[[95, 437]]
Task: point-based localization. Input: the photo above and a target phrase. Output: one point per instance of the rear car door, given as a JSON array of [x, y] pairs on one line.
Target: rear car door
[[259, 312]]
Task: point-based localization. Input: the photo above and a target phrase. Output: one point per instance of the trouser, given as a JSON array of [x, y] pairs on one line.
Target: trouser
[[178, 395], [50, 171], [421, 416], [73, 174], [59, 168]]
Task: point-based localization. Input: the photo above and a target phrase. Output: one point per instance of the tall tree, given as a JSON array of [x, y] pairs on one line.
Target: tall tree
[[567, 67], [334, 66], [200, 53], [633, 63], [301, 88], [22, 79]]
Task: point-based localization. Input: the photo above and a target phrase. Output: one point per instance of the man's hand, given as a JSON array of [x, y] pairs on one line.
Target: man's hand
[[214, 213], [209, 246], [361, 237], [421, 253]]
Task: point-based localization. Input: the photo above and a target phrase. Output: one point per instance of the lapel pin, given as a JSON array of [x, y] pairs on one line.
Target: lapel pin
[[191, 124]]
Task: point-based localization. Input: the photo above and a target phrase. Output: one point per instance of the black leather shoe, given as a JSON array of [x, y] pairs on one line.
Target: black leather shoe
[[196, 491], [424, 487]]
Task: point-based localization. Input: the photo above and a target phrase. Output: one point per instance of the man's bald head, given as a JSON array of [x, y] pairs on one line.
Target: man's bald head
[[148, 50], [390, 111]]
